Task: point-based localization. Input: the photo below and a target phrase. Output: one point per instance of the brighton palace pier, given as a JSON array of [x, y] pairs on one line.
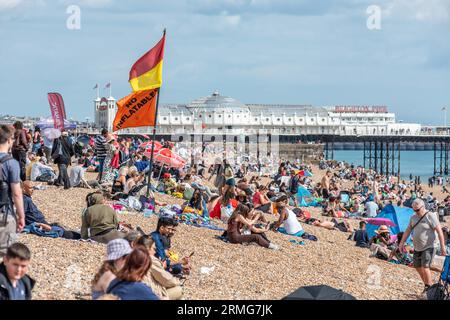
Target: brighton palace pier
[[218, 115]]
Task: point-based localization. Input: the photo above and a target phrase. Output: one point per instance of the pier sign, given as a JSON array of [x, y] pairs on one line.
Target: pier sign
[[361, 109]]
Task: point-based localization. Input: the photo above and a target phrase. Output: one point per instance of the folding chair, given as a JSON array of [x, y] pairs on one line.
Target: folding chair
[[444, 279]]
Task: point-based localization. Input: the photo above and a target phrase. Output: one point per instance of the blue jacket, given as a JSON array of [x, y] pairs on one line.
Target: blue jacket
[[142, 165], [32, 213], [131, 290], [361, 238], [160, 248]]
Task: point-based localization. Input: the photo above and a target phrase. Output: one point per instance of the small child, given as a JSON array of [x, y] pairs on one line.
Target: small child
[[15, 284], [361, 237]]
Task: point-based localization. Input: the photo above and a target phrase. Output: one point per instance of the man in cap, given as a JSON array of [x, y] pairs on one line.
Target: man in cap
[[116, 253], [426, 226]]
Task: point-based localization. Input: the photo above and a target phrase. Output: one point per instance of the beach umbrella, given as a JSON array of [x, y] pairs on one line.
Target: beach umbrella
[[84, 140], [148, 145], [319, 293], [308, 174], [381, 222], [49, 123], [51, 133], [169, 158]]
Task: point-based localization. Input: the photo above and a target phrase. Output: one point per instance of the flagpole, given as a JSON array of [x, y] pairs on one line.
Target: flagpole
[[150, 171]]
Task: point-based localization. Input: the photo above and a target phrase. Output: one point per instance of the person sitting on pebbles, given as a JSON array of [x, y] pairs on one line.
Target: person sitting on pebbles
[[165, 230], [35, 222], [169, 184], [380, 242], [99, 221], [238, 221], [288, 219]]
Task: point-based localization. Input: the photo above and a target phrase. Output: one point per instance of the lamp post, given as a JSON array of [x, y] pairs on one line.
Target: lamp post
[[444, 109]]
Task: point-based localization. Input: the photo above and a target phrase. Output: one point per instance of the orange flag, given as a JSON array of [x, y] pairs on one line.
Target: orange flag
[[136, 110]]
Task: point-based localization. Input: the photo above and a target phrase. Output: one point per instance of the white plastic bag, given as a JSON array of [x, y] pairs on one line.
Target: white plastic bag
[[225, 213]]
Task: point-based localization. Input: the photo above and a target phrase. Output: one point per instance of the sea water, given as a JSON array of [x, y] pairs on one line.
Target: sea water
[[417, 163]]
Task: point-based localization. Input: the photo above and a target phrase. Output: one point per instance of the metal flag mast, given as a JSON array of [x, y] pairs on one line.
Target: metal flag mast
[[150, 171]]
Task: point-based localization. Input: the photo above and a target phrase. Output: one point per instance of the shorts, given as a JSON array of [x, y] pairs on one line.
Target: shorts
[[325, 193], [231, 182], [8, 235], [423, 259], [265, 208]]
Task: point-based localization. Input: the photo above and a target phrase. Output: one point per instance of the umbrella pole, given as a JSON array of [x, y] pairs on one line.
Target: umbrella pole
[[150, 171]]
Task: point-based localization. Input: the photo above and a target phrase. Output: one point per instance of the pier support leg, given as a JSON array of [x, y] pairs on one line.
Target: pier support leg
[[435, 158]]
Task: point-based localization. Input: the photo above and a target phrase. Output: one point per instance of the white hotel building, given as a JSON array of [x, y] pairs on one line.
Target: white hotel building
[[218, 115]]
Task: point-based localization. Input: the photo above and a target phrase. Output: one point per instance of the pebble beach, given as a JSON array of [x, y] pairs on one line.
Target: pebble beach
[[64, 269]]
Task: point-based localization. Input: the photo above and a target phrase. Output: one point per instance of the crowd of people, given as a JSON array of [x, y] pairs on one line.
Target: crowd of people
[[252, 206]]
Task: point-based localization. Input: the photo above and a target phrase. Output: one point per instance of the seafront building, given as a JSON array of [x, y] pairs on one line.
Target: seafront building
[[218, 115]]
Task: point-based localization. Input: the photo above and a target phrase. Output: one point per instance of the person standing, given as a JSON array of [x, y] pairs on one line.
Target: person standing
[[62, 154], [20, 148], [10, 193], [424, 225], [101, 151], [48, 145], [325, 183], [37, 140], [293, 187]]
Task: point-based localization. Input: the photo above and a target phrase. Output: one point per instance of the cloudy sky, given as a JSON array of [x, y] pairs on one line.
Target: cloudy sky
[[257, 51]]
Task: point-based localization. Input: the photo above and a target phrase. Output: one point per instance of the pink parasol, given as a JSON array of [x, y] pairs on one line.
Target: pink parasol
[[381, 222], [170, 158], [148, 145]]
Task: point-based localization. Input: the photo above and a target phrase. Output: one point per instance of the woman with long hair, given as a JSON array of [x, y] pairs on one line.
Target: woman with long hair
[[128, 283], [37, 140], [117, 251], [236, 223], [20, 148], [109, 171]]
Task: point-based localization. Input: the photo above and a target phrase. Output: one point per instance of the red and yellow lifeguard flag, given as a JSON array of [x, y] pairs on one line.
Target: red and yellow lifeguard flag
[[136, 110], [146, 73]]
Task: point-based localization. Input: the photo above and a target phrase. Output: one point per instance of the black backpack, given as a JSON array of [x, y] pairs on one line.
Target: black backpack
[[5, 200]]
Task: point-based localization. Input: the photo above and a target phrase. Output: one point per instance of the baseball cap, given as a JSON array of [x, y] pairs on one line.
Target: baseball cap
[[117, 249]]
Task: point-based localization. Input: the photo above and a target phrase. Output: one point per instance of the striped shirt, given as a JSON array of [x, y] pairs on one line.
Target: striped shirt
[[101, 150]]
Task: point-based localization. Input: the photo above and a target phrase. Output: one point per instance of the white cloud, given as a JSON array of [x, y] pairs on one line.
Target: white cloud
[[9, 4], [421, 10]]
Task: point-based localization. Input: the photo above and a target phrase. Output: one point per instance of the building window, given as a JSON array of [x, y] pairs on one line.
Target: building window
[[210, 116], [164, 118], [220, 116], [176, 119]]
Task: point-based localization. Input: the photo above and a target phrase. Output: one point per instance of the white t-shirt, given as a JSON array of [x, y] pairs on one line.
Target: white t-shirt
[[291, 224]]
